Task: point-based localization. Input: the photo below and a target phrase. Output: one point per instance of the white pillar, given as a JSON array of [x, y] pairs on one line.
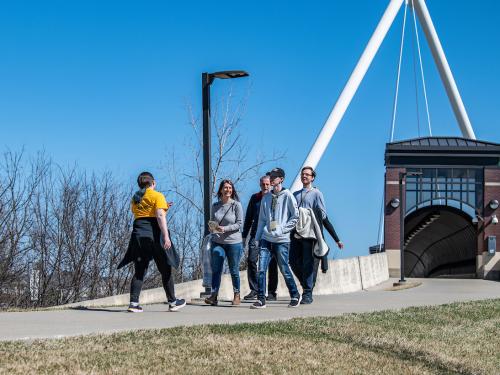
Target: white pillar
[[350, 89], [444, 69]]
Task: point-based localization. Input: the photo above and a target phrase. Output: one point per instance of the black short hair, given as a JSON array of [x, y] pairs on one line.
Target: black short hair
[[313, 172]]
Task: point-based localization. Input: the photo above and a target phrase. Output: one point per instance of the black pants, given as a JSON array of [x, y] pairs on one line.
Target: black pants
[[147, 249], [317, 261], [303, 262], [252, 269]]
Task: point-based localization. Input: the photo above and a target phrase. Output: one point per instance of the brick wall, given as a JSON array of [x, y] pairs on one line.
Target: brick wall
[[391, 222]]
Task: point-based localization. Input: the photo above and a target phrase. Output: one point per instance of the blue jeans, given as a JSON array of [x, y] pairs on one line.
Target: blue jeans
[[280, 252], [233, 253]]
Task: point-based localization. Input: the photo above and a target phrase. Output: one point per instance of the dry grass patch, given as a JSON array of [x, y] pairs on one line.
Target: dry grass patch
[[457, 338]]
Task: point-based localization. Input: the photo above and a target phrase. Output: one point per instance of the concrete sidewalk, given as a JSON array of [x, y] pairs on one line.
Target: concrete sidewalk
[[62, 323]]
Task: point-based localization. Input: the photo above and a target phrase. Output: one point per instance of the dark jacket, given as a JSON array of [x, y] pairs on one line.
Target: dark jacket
[[147, 228], [252, 215]]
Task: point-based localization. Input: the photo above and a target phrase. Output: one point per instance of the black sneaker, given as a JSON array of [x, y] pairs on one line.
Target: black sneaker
[[177, 305], [294, 302], [250, 296], [306, 300], [271, 297], [258, 305], [135, 308]]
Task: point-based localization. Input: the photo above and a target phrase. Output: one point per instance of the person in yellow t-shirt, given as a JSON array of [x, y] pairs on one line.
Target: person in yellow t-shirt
[[150, 239]]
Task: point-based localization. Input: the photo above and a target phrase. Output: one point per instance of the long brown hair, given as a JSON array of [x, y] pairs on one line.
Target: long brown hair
[[234, 195]]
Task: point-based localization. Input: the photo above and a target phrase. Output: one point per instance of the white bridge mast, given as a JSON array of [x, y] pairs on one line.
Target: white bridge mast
[[361, 68]]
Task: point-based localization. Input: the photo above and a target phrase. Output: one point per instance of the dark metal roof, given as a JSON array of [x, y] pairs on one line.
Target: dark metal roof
[[444, 143], [442, 151]]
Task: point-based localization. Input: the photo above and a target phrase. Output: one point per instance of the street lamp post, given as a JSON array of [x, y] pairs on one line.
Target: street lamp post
[[402, 209], [206, 81]]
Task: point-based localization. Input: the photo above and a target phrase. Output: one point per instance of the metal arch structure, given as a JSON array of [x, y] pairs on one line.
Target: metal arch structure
[[364, 63]]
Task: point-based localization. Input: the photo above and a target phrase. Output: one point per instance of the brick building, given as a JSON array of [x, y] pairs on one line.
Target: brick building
[[450, 197]]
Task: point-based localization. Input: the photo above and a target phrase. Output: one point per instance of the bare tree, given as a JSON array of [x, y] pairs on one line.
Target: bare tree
[[230, 159], [62, 233]]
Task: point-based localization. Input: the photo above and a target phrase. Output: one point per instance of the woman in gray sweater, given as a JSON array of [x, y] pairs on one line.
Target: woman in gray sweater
[[226, 223]]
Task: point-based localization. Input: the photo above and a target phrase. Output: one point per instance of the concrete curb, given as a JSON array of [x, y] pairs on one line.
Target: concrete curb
[[344, 276]]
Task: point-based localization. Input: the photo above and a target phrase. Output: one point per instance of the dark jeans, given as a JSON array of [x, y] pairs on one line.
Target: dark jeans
[[302, 263], [317, 262], [147, 247], [233, 254], [280, 252], [253, 268]]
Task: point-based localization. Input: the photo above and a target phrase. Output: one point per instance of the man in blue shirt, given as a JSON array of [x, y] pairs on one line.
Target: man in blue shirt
[[304, 264]]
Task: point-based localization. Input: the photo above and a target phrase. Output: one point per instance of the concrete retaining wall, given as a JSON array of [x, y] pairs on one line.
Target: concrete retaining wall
[[344, 276]]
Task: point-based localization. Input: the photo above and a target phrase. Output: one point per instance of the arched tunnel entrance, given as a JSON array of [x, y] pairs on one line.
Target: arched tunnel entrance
[[440, 241], [448, 189]]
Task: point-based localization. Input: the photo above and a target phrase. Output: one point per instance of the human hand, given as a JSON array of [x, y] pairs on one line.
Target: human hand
[[220, 229], [167, 244], [340, 245]]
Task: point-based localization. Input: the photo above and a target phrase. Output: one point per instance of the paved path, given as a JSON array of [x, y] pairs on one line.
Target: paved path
[[61, 323]]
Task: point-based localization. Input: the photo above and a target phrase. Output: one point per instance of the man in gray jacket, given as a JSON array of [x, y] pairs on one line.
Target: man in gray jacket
[[277, 217]]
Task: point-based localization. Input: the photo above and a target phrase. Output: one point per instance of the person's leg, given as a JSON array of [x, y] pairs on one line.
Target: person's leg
[[317, 261], [140, 267], [280, 251], [307, 267], [233, 253], [165, 270], [217, 263], [296, 258], [252, 268], [273, 278], [264, 258]]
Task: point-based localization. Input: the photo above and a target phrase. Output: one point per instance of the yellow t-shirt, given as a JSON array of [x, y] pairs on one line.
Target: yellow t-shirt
[[151, 201]]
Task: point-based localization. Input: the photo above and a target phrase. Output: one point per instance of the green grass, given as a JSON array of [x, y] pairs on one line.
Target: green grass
[[457, 338]]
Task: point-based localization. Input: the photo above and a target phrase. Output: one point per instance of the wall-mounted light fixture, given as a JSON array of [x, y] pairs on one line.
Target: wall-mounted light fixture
[[494, 219], [394, 202], [493, 204]]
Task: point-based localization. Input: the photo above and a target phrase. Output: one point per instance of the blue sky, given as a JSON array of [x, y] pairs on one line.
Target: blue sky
[[81, 79]]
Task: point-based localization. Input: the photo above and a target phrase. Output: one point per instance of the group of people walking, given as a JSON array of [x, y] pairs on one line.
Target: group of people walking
[[284, 231]]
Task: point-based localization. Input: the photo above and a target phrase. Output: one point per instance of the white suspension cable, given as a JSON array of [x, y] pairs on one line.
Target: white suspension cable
[[395, 104], [393, 123], [421, 70]]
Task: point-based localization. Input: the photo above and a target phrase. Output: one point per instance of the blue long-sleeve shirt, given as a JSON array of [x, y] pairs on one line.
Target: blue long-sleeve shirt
[[311, 198]]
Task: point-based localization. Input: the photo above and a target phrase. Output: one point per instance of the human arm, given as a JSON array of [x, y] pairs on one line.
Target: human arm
[[320, 204], [161, 217], [293, 214], [248, 217], [262, 220], [329, 228]]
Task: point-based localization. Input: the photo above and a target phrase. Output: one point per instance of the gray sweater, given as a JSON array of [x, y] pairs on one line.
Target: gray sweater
[[232, 222], [285, 214]]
